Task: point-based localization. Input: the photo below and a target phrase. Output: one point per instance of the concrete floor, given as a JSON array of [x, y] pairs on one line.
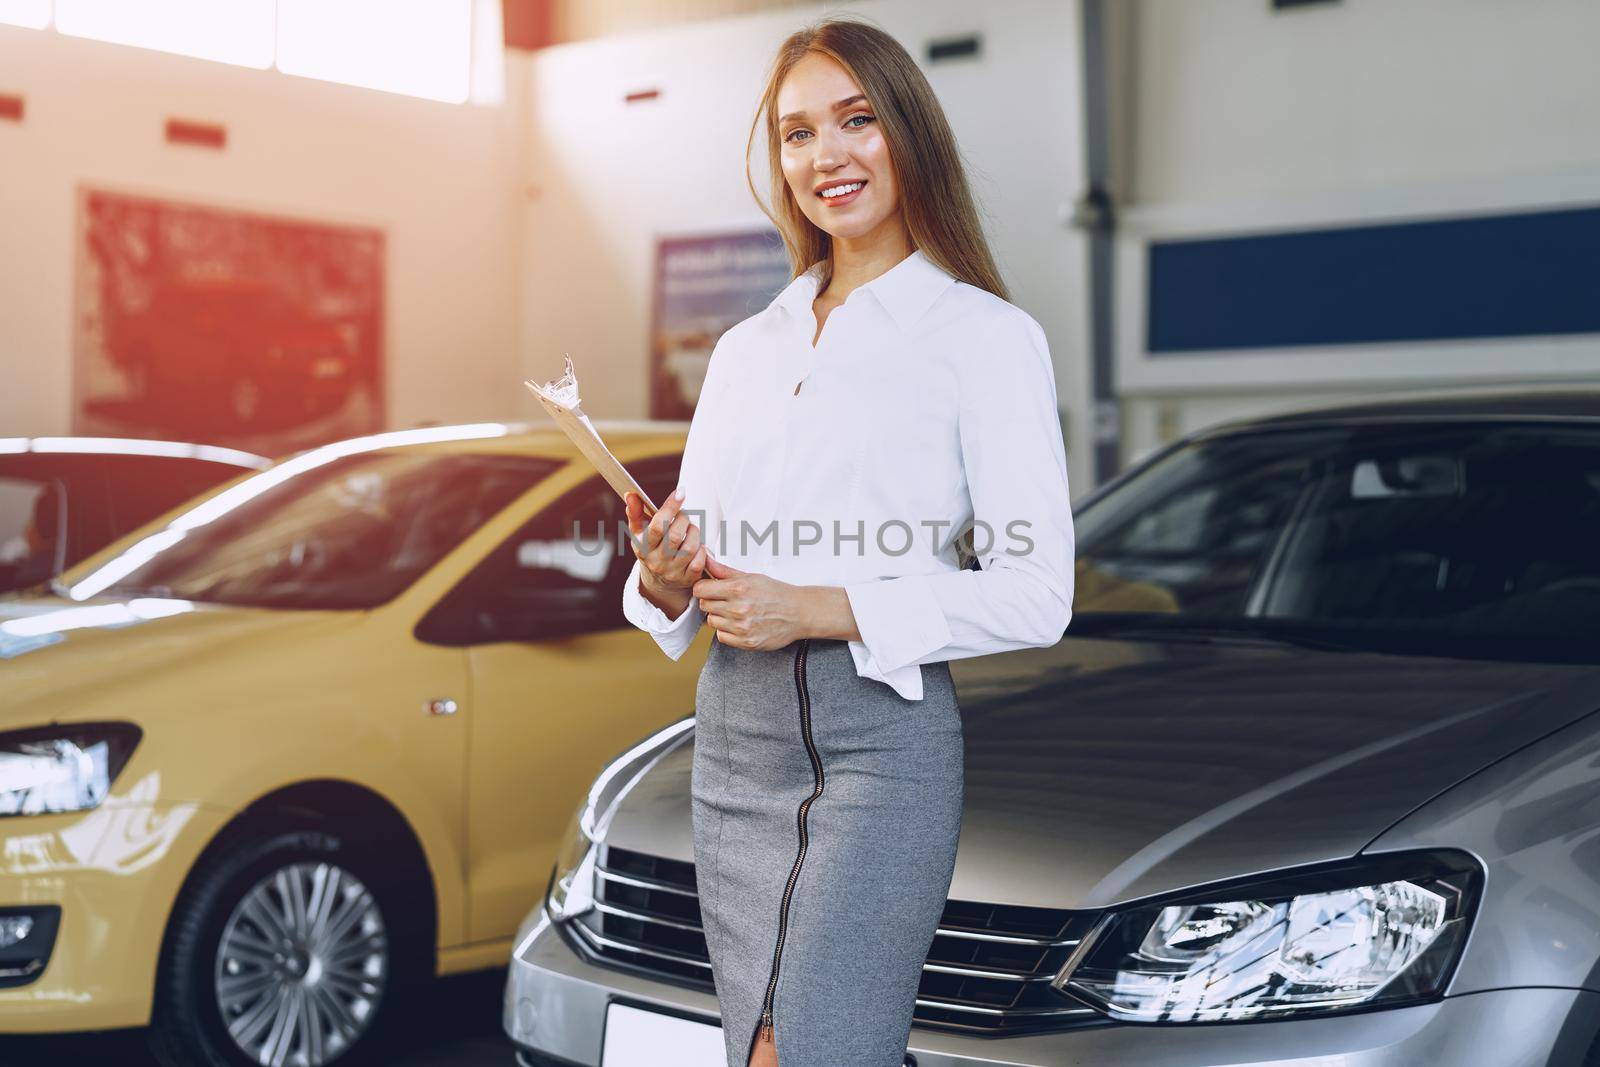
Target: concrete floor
[[464, 1031]]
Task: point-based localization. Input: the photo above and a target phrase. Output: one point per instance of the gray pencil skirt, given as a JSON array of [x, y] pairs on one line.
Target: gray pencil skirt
[[826, 811]]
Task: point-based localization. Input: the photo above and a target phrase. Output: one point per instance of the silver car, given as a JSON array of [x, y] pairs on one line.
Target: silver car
[[1313, 777]]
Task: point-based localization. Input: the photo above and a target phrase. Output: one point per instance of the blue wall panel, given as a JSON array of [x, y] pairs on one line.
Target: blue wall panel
[[1484, 276]]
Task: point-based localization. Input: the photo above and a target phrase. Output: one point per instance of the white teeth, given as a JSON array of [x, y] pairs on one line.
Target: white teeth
[[840, 190]]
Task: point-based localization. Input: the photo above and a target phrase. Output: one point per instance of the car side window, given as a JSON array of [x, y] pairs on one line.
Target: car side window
[[560, 575], [142, 487], [33, 525], [575, 556], [570, 547]]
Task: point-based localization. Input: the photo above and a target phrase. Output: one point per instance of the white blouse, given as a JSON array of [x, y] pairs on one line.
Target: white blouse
[[926, 404]]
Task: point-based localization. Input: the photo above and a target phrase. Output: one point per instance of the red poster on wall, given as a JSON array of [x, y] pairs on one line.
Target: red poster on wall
[[215, 326]]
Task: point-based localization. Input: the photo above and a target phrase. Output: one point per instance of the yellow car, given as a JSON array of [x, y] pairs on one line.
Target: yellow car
[[270, 761]]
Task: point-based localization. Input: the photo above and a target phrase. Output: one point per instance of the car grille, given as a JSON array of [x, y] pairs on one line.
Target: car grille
[[988, 971]]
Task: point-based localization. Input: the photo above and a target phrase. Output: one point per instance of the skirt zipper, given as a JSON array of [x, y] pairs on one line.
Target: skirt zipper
[[765, 1033]]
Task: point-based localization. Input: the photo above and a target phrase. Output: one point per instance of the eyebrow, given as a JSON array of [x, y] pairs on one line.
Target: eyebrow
[[846, 102]]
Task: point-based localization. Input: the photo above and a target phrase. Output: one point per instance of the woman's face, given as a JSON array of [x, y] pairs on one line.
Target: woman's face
[[828, 135]]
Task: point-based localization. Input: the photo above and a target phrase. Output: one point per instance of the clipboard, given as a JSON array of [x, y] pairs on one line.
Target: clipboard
[[560, 399]]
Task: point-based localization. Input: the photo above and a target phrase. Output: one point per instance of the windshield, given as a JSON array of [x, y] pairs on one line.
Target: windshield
[[1466, 540], [350, 532]]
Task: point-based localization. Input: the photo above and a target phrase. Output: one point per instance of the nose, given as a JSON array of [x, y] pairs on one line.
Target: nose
[[831, 154]]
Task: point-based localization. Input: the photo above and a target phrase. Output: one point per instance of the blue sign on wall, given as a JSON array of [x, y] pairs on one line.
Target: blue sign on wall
[[1528, 274]]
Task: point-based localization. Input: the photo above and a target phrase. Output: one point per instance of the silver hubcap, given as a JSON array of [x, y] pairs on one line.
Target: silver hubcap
[[302, 965]]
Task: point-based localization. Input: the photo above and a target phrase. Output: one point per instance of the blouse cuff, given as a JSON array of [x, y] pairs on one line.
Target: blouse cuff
[[673, 635], [899, 618], [907, 681]]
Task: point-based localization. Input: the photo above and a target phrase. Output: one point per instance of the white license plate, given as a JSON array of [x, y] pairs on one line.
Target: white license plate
[[639, 1038]]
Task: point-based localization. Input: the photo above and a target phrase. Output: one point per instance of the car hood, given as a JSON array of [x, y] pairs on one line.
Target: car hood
[[1102, 771], [57, 653]]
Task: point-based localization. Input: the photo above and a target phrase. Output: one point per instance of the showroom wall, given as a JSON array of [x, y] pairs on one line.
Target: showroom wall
[[520, 232], [1239, 119], [606, 177], [1236, 101], [517, 233], [440, 179]]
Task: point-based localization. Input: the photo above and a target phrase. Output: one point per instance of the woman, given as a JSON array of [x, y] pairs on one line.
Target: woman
[[888, 398]]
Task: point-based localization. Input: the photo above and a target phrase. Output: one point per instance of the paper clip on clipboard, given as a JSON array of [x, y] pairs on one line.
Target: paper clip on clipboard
[[560, 399]]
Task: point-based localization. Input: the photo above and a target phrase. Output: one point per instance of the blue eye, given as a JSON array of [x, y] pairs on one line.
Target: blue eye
[[869, 118]]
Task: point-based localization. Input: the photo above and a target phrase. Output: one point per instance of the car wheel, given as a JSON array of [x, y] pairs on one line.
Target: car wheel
[[291, 947]]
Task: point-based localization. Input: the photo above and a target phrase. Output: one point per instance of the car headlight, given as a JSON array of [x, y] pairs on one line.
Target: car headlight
[[70, 767], [571, 891], [1381, 931]]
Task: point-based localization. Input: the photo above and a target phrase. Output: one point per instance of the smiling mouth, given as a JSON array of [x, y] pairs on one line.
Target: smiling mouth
[[842, 190]]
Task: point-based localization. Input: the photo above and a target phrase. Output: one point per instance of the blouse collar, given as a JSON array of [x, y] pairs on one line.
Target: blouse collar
[[906, 290]]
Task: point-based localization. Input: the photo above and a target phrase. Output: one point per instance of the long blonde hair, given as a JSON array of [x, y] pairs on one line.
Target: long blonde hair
[[940, 217], [937, 206]]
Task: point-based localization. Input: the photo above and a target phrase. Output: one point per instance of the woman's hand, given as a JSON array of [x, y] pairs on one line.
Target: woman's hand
[[753, 611], [670, 554]]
